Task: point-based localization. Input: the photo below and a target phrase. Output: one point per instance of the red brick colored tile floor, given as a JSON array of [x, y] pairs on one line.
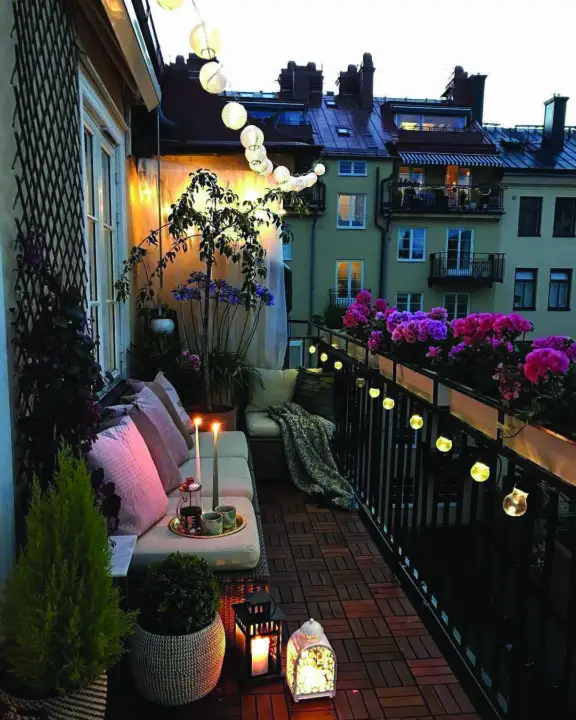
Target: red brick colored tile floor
[[323, 564]]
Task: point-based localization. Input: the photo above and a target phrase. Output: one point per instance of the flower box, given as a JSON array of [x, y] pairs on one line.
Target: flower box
[[324, 336], [474, 413], [373, 360], [386, 367], [543, 447], [356, 351], [415, 382]]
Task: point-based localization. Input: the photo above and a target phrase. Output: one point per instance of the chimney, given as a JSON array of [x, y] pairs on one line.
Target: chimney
[[366, 82], [554, 121], [348, 82], [286, 81], [476, 85], [467, 90], [301, 82]]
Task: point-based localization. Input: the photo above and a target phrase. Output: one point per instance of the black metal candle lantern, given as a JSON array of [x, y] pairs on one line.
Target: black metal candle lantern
[[259, 627]]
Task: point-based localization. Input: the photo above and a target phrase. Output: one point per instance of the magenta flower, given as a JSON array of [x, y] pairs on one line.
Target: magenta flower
[[380, 304], [192, 358], [542, 362], [555, 342], [433, 352], [375, 340], [456, 350], [364, 297], [438, 313], [512, 324]]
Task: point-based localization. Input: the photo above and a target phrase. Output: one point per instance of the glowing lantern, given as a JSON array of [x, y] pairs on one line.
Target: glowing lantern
[[416, 422], [256, 157], [234, 115], [281, 175], [480, 472], [515, 504], [310, 179], [310, 663], [205, 41], [252, 137], [258, 628], [338, 365], [444, 444], [170, 4], [319, 169], [212, 78], [267, 167], [312, 349], [388, 403], [374, 393], [360, 382], [323, 357]]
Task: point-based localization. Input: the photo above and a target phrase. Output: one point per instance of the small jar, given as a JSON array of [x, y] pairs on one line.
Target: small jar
[[189, 507]]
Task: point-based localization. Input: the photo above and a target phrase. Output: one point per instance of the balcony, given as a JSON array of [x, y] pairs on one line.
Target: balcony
[[314, 197], [412, 198], [481, 269], [341, 299]]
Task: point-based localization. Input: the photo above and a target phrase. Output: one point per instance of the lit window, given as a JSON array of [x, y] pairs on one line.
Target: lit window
[[351, 212], [411, 244], [353, 168], [559, 292], [412, 302], [349, 279], [409, 174], [343, 132], [411, 121], [525, 289], [457, 305]]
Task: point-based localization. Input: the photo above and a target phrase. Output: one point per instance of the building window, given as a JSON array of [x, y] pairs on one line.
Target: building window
[[565, 217], [559, 292], [343, 132], [287, 251], [358, 168], [458, 175], [410, 121], [106, 245], [460, 251], [525, 289], [457, 305], [409, 174], [349, 278], [409, 301], [530, 216], [411, 244], [352, 212]]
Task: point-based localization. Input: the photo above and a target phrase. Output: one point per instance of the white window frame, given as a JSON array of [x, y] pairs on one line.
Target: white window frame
[[353, 170], [101, 121], [349, 261], [462, 268], [349, 226], [457, 295], [410, 259], [409, 303]]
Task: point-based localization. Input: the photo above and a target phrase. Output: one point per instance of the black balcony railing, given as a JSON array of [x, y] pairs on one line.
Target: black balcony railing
[[445, 198], [315, 198], [501, 590], [483, 269]]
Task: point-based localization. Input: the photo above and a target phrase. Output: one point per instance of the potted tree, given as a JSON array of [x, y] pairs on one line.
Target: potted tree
[[60, 616], [179, 643]]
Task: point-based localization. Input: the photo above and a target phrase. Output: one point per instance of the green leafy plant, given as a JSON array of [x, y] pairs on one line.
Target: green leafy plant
[[178, 596], [60, 614]]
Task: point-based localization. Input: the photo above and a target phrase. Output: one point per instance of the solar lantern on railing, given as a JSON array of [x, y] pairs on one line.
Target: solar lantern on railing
[[416, 419]]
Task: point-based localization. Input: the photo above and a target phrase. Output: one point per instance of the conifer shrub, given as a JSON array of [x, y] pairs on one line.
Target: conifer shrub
[[60, 614]]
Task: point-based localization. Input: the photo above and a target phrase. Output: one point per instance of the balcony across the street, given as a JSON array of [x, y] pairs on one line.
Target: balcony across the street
[[479, 268], [445, 198]]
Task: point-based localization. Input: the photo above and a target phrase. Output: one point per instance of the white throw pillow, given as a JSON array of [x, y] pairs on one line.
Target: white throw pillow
[[278, 389], [170, 390]]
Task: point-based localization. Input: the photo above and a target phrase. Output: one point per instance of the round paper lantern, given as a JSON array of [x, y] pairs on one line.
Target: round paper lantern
[[319, 169], [310, 178], [256, 157], [281, 175], [170, 4], [212, 78], [205, 41], [234, 115], [267, 168], [251, 137]]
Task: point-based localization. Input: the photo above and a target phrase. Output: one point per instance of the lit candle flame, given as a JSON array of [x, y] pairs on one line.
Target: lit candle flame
[[197, 421], [215, 428]]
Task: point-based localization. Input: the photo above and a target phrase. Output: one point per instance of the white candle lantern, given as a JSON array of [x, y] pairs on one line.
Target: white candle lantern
[[310, 663], [258, 628]]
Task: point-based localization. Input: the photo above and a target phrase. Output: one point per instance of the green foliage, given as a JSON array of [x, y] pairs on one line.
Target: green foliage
[[178, 596], [230, 378], [333, 317], [60, 614]]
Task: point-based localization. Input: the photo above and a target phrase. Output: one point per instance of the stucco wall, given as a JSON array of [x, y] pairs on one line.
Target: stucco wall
[[544, 252]]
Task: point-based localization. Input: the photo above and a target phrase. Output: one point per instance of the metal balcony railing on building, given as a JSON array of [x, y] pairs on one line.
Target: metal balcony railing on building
[[415, 198], [314, 197], [342, 298], [457, 268]]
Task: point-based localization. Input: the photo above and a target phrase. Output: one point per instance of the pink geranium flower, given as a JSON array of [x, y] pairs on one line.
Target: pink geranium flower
[[542, 362]]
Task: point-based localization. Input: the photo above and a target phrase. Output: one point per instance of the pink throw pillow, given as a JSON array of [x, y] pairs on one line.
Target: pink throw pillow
[[126, 461], [152, 407]]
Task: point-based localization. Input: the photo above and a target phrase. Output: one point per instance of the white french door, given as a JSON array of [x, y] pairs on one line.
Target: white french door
[[460, 251]]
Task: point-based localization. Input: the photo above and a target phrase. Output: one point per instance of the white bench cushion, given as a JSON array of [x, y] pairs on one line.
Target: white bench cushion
[[277, 388], [234, 477], [261, 425], [231, 443], [236, 552]]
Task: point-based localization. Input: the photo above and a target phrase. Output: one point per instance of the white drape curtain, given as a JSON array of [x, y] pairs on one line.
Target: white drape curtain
[[268, 346]]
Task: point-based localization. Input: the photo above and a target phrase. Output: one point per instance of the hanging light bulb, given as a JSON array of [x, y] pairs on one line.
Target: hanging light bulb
[[234, 115], [416, 421], [205, 42], [323, 357], [319, 169], [170, 4], [267, 167], [360, 382], [480, 472], [281, 175], [338, 365], [312, 349], [251, 137], [515, 504], [388, 403], [374, 392], [256, 157], [212, 78], [444, 444]]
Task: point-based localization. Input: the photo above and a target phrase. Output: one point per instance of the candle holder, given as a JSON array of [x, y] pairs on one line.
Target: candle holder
[[310, 663], [259, 626], [189, 507]]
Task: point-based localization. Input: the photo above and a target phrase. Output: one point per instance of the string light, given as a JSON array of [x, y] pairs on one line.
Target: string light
[[388, 403], [374, 393], [281, 174], [212, 78], [267, 167], [515, 504], [323, 357], [444, 444], [251, 137], [319, 169], [338, 365], [480, 472], [312, 349], [360, 382], [416, 422], [234, 115], [256, 157], [170, 4], [205, 41]]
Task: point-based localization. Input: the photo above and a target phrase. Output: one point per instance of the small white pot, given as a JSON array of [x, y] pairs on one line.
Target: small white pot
[[162, 326]]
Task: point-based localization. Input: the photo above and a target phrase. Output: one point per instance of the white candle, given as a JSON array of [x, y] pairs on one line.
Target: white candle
[[197, 423], [215, 488], [260, 648]]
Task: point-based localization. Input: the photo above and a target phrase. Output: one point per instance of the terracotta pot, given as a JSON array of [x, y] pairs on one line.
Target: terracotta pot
[[223, 414], [162, 326], [88, 703]]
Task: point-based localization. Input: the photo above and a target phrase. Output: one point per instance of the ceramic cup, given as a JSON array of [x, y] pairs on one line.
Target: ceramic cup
[[229, 514], [212, 523]]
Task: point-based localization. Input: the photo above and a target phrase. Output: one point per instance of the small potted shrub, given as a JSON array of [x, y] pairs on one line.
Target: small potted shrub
[[60, 616], [179, 644]]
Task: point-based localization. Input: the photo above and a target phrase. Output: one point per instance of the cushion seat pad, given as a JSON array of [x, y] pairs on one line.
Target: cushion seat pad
[[261, 425], [231, 443], [240, 551], [234, 477]]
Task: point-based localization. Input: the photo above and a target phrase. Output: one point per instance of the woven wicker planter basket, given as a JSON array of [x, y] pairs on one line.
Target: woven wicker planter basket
[[88, 703], [178, 669]]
